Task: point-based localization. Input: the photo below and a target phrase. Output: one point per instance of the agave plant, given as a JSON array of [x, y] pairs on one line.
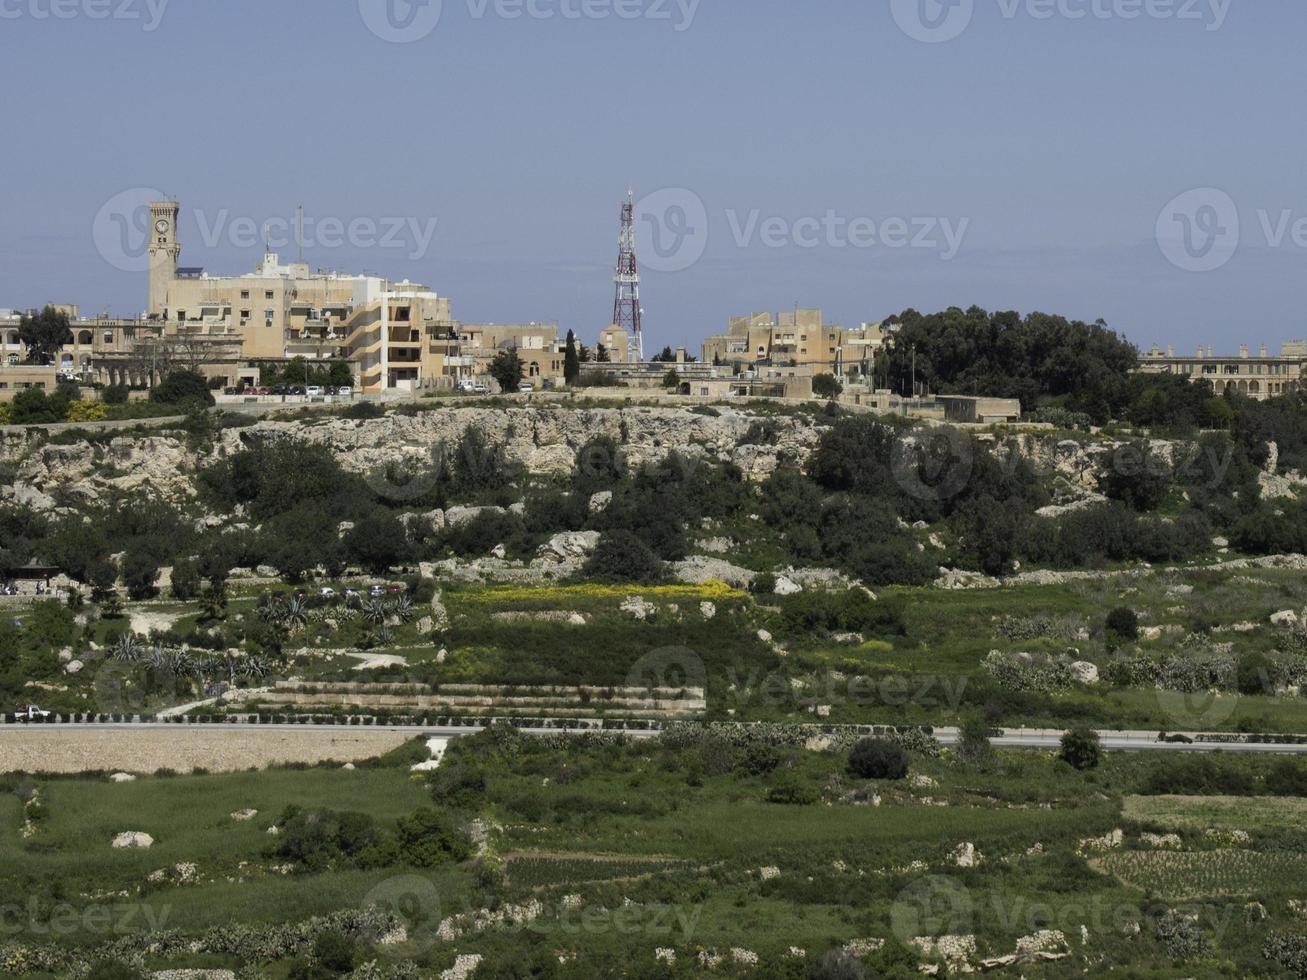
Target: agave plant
[[271, 609], [127, 649], [256, 667], [375, 611], [295, 613], [402, 608]]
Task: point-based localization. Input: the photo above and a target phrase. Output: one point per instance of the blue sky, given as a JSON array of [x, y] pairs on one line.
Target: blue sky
[[839, 160]]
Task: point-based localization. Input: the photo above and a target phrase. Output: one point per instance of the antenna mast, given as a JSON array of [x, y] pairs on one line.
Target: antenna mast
[[627, 313]]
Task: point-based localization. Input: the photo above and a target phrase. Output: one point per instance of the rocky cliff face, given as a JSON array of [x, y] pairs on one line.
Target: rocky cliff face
[[544, 440]]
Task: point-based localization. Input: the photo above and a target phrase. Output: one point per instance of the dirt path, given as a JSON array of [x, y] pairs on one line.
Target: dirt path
[[52, 750]]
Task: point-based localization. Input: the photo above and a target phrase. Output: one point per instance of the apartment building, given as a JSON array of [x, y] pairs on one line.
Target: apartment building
[[794, 343]]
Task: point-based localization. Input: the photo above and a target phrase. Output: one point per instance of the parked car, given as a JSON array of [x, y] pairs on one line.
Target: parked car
[[481, 388], [526, 389], [265, 391], [297, 390], [250, 391], [332, 390], [313, 391], [231, 391], [30, 712], [326, 592], [345, 390], [377, 591], [352, 594], [395, 588]]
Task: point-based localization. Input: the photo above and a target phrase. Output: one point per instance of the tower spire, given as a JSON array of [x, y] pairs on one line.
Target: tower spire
[[626, 307]]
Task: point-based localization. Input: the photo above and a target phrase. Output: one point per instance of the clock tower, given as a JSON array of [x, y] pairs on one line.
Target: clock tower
[[165, 250]]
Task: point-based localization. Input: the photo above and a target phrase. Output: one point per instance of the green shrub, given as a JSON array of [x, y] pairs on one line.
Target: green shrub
[[790, 791], [1081, 749], [874, 758], [623, 557], [1124, 623]]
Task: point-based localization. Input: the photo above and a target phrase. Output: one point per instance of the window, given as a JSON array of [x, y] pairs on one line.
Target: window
[[268, 315], [108, 337], [245, 294], [245, 314], [268, 294]]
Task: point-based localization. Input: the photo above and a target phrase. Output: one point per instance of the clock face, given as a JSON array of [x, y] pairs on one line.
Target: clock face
[[161, 226]]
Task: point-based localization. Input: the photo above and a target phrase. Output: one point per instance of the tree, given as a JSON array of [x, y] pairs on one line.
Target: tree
[[32, 406], [140, 572], [571, 360], [876, 758], [377, 542], [602, 356], [1081, 749], [974, 746], [827, 386], [182, 386], [186, 579], [44, 334], [1254, 674], [1123, 622], [506, 369], [1137, 476], [665, 356], [213, 602], [672, 379], [623, 557]]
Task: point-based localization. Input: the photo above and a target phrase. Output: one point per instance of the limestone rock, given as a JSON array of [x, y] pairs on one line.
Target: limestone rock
[[573, 546], [966, 856], [787, 586], [1085, 672], [637, 607], [133, 839]]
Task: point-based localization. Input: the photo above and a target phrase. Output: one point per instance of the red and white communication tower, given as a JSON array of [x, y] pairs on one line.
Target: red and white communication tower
[[627, 313]]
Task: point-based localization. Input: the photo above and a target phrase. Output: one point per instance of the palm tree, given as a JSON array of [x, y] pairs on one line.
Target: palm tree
[[213, 604]]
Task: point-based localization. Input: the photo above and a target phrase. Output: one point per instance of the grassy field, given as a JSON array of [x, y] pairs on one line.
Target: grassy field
[[1218, 812], [622, 849]]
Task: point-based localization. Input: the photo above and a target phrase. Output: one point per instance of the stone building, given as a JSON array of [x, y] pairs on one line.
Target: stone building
[[1260, 377]]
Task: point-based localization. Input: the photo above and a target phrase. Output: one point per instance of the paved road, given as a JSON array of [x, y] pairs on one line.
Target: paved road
[[1011, 738]]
